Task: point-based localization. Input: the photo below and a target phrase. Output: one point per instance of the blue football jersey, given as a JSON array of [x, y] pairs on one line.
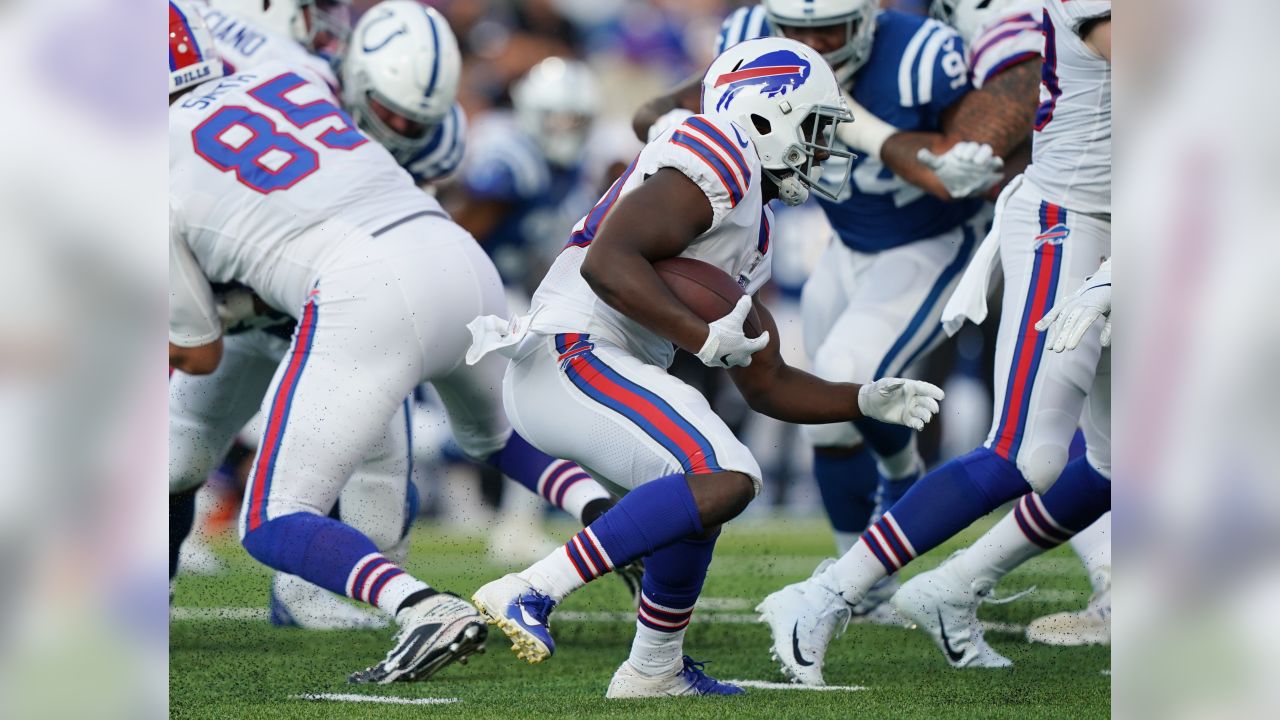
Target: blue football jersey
[[916, 70], [507, 165]]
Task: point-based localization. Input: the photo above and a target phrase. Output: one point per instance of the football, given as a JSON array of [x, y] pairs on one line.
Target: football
[[705, 289]]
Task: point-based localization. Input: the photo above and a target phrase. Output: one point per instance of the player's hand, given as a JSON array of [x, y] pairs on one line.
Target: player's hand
[[966, 169], [900, 401], [727, 345], [1070, 319]]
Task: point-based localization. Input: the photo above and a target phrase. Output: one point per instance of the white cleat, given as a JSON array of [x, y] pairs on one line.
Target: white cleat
[[802, 619], [522, 612], [297, 603], [434, 633], [874, 608], [689, 679], [196, 557], [946, 609], [1091, 626]]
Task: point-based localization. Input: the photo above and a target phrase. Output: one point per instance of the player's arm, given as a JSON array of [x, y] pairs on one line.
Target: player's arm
[[200, 360], [687, 96], [1000, 114], [774, 388], [478, 216], [1097, 35], [195, 329], [656, 221]]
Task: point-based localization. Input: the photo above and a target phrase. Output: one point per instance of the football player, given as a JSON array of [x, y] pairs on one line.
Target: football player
[[588, 377], [1053, 229], [273, 186]]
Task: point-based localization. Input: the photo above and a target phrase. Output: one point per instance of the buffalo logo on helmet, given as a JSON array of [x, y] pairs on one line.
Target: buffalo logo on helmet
[[775, 73]]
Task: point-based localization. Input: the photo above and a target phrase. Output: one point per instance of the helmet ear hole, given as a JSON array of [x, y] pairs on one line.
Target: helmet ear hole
[[763, 126]]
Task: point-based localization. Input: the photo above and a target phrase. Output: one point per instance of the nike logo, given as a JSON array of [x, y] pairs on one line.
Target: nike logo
[[795, 646], [741, 142], [527, 618], [724, 359], [946, 643]]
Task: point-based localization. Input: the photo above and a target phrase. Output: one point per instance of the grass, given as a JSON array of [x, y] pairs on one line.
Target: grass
[[249, 669]]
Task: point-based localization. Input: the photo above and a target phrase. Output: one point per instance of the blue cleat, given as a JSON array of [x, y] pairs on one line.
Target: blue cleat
[[521, 612], [688, 680]]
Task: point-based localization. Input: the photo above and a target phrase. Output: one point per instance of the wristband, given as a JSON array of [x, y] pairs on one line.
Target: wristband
[[867, 132]]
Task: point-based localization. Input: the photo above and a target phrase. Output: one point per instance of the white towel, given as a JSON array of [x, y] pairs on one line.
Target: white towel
[[969, 301], [490, 333]]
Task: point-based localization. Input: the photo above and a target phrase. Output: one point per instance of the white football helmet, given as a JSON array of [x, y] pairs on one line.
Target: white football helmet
[[193, 58], [320, 25], [785, 96], [969, 17], [858, 17], [556, 103], [403, 56]]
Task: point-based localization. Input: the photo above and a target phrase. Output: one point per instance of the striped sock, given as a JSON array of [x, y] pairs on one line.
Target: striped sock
[[569, 487], [673, 578], [568, 568], [380, 582]]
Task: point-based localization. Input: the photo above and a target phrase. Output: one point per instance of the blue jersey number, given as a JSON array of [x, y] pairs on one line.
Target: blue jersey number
[[263, 156]]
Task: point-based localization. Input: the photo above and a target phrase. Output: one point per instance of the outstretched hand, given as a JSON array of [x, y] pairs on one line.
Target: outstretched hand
[[900, 401]]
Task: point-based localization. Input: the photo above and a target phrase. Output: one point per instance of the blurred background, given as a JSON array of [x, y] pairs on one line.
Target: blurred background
[[82, 406]]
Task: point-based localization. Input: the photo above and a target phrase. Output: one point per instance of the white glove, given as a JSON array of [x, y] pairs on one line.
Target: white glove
[[726, 345], [966, 169], [1070, 319], [668, 120], [900, 401]]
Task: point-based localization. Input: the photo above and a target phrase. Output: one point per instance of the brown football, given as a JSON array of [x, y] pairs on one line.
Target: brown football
[[705, 289]]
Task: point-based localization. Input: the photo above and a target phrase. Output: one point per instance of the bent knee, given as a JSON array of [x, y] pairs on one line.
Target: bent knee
[[1043, 466]]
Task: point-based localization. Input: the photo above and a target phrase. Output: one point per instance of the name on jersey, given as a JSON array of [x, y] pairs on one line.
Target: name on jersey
[[212, 93], [244, 39]]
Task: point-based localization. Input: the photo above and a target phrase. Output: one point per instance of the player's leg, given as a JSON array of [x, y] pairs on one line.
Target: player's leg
[[205, 413], [1041, 395], [642, 429]]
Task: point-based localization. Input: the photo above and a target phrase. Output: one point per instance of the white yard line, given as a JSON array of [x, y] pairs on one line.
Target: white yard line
[[219, 613], [762, 685], [382, 699]]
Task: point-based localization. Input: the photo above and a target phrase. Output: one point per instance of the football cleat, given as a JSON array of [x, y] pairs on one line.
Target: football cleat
[[688, 680], [522, 613], [802, 619], [631, 574], [875, 608], [1091, 626], [437, 631], [946, 609], [297, 603]]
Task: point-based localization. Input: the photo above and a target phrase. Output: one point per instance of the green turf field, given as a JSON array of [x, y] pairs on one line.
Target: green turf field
[[236, 666]]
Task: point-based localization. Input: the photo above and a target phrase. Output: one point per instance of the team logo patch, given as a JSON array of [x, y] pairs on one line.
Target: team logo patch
[[1053, 236], [775, 73]]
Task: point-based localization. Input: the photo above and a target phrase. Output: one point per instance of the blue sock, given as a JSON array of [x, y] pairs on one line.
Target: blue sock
[[1079, 497], [847, 484], [646, 519], [316, 548], [549, 477], [182, 514], [672, 582], [941, 504]]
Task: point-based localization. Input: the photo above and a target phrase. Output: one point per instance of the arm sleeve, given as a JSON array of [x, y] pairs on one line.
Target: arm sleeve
[[944, 73], [706, 151], [193, 314]]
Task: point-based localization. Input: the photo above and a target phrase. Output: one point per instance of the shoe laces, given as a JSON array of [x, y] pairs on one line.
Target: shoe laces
[[694, 672], [989, 598], [538, 605]]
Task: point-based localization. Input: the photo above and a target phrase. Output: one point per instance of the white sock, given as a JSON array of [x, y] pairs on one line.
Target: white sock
[[903, 464], [656, 652], [853, 574], [569, 487], [1003, 548], [845, 541], [554, 575], [380, 582], [1093, 545]]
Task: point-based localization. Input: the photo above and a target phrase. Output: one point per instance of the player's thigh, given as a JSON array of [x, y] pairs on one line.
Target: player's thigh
[[206, 411], [1040, 394], [824, 295], [472, 399], [626, 421], [332, 398]]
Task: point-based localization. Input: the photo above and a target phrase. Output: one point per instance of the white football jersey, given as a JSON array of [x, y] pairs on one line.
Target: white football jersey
[[244, 44], [1071, 155], [269, 181], [1007, 37], [722, 161]]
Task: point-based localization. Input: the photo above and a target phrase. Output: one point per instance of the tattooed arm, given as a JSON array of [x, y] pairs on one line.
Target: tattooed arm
[[1000, 114]]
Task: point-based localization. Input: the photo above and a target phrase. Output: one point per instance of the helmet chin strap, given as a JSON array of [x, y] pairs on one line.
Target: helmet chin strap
[[791, 190]]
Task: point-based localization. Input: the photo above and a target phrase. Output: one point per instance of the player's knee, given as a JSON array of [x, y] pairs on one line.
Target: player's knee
[[721, 496], [833, 436], [1043, 466]]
